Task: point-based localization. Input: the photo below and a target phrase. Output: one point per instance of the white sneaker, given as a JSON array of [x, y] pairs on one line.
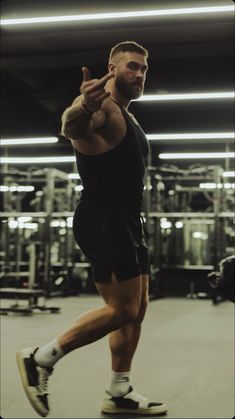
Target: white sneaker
[[132, 403], [34, 379]]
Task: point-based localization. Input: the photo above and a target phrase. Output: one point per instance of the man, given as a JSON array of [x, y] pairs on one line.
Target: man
[[110, 149]]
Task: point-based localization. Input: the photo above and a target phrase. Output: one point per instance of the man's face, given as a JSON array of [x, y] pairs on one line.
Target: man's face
[[131, 71]]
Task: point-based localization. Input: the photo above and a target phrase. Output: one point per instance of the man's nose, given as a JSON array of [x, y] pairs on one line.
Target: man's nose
[[139, 75]]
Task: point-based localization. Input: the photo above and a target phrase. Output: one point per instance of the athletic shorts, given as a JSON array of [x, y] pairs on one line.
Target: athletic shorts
[[112, 241]]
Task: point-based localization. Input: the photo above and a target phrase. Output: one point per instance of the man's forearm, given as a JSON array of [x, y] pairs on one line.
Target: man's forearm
[[76, 122]]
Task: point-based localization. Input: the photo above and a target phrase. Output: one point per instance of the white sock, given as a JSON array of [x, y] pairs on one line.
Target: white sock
[[49, 354], [119, 383]]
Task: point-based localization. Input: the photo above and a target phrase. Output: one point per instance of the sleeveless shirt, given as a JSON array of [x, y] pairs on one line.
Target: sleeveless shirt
[[116, 177]]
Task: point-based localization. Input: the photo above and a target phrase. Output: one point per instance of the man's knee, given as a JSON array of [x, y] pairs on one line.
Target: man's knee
[[128, 312], [134, 311]]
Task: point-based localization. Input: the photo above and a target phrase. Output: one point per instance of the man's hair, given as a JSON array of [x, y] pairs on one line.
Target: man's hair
[[127, 46]]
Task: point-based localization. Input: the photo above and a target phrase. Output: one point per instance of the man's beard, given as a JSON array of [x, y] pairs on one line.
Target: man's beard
[[128, 90]]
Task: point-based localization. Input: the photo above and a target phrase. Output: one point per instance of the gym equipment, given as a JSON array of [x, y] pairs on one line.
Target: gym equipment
[[223, 280], [30, 294], [39, 256], [191, 228]]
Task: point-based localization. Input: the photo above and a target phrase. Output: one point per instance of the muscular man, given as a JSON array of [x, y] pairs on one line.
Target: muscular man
[[110, 149]]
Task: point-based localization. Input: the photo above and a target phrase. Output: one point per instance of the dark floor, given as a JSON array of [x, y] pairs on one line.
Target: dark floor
[[185, 358]]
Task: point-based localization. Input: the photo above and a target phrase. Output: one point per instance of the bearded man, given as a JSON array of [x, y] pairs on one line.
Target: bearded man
[[111, 151]]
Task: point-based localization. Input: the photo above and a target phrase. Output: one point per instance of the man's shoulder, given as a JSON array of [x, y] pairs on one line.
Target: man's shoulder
[[77, 100]]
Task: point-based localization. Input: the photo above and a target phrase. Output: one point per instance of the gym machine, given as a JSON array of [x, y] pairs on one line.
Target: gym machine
[[38, 249], [190, 218]]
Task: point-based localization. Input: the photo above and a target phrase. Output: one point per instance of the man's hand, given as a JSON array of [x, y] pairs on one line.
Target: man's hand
[[93, 90]]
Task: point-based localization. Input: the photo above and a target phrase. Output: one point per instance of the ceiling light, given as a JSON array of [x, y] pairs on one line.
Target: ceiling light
[[196, 155], [69, 221], [118, 15], [30, 226], [229, 174], [229, 185], [22, 188], [165, 224], [186, 136], [78, 188], [12, 223], [24, 219], [210, 185], [31, 141], [187, 96], [71, 159], [57, 223], [213, 185], [15, 188], [179, 224], [200, 235], [73, 176], [38, 160]]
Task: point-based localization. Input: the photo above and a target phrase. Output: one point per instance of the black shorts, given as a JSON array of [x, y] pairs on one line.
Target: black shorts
[[112, 241]]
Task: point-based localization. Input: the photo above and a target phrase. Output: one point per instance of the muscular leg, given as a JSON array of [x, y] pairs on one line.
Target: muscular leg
[[120, 396], [122, 306], [123, 342]]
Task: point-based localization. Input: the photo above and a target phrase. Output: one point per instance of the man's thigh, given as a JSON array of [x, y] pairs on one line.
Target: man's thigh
[[118, 293]]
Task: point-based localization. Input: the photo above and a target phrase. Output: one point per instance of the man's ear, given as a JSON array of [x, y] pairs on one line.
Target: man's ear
[[111, 67]]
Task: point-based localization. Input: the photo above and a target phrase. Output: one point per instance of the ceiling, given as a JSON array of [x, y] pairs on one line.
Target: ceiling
[[41, 68]]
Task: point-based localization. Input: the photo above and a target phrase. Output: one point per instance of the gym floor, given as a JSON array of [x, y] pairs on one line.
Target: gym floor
[[185, 358]]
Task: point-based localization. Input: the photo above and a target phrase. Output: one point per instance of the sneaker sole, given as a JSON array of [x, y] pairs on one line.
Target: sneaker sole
[[143, 412], [23, 375]]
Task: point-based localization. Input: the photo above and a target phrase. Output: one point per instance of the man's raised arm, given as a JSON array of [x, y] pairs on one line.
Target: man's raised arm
[[78, 119]]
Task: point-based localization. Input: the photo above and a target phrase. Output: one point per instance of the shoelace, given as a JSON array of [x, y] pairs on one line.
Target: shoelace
[[44, 375], [137, 396]]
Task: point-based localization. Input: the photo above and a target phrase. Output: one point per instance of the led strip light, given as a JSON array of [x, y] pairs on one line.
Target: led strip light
[[179, 156], [186, 96], [118, 15], [192, 136], [71, 159], [229, 174], [150, 137], [29, 141], [38, 160]]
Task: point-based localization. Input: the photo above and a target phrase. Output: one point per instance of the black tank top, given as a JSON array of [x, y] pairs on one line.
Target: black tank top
[[116, 177]]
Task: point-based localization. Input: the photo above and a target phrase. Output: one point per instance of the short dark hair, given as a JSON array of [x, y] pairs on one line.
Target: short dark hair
[[128, 46]]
